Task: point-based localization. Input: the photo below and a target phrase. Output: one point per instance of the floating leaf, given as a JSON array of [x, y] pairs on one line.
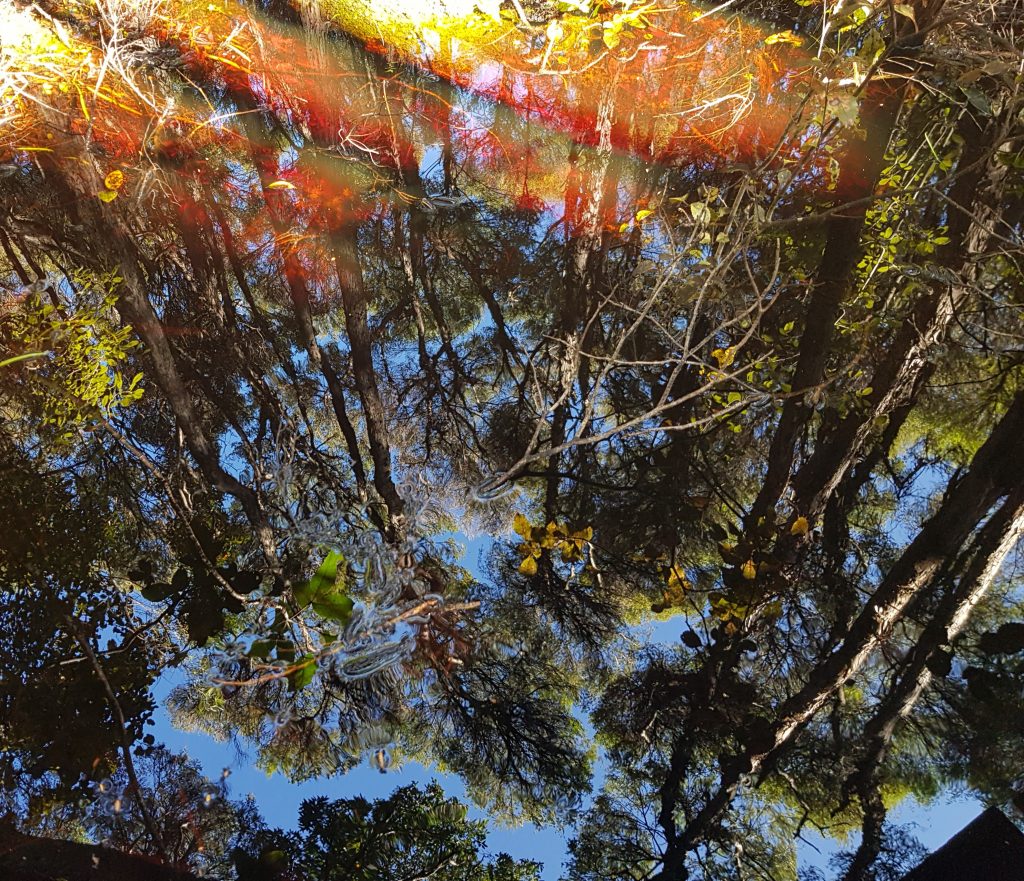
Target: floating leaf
[[800, 526], [327, 573], [322, 587], [280, 185], [107, 195], [261, 648], [303, 673], [749, 570], [786, 36], [114, 180], [334, 609]]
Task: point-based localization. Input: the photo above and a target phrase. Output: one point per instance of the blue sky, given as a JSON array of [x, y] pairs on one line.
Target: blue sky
[[279, 800]]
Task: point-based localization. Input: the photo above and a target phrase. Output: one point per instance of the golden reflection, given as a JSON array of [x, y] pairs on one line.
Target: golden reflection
[[164, 85]]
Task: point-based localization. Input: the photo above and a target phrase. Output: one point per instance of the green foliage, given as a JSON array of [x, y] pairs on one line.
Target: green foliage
[[58, 724], [324, 591], [75, 363], [413, 833]]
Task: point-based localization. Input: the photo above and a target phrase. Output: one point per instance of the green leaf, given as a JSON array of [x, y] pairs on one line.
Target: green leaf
[[303, 674], [846, 109], [700, 212], [979, 100], [261, 648], [323, 585], [337, 608]]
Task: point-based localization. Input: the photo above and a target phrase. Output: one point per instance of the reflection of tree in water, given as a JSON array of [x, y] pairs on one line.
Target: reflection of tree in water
[[757, 370]]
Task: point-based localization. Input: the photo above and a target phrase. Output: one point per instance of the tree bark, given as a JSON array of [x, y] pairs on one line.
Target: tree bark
[[994, 544]]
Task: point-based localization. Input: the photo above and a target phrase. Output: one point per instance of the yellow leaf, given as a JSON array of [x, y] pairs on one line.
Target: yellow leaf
[[114, 180], [905, 9], [749, 570], [548, 536], [643, 214], [571, 551], [521, 526], [107, 195], [529, 566], [280, 185], [677, 579], [783, 37], [800, 526], [724, 357]]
